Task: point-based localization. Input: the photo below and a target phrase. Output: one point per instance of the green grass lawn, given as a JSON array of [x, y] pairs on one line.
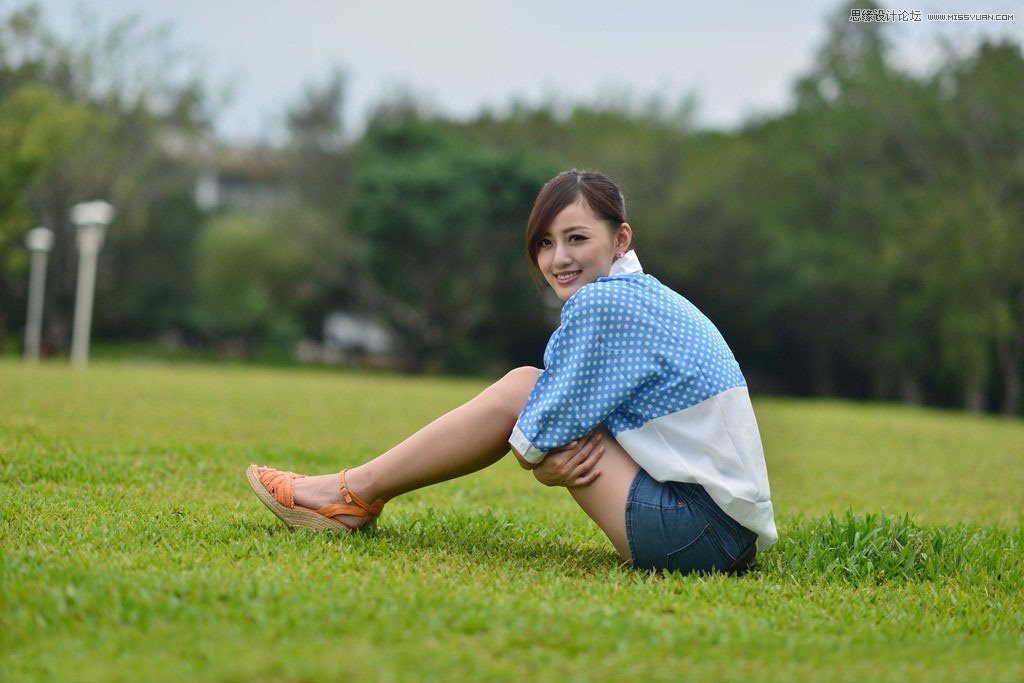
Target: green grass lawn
[[131, 548]]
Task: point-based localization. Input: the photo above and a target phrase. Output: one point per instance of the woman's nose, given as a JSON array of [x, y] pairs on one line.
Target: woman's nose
[[562, 254]]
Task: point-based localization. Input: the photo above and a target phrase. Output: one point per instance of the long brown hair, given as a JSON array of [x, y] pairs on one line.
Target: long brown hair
[[597, 191]]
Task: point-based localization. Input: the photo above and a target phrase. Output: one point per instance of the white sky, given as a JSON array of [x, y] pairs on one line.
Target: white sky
[[739, 57]]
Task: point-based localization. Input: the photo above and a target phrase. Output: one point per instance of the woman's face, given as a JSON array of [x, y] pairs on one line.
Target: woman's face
[[578, 248]]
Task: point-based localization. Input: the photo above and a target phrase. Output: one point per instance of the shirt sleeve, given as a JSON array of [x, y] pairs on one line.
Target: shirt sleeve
[[593, 363]]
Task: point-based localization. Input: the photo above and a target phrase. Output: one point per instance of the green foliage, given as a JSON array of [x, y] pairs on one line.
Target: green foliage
[[438, 225], [244, 270], [38, 128], [90, 120], [160, 263], [883, 549], [862, 244], [865, 243]]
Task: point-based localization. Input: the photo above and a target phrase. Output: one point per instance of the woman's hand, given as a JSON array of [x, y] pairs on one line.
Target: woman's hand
[[573, 464]]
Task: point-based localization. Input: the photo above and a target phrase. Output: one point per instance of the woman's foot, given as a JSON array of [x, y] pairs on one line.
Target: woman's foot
[[342, 510], [320, 491]]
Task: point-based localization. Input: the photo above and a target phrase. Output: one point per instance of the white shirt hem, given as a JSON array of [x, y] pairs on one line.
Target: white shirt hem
[[523, 446]]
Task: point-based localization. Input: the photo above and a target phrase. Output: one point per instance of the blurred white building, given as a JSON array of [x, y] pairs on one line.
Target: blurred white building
[[356, 335]]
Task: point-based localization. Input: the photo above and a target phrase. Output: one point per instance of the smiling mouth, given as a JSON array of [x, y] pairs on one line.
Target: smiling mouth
[[563, 278]]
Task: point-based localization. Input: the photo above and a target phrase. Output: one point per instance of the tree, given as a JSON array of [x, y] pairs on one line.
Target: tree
[[437, 223], [155, 272], [988, 129], [38, 129], [246, 274], [320, 180], [83, 122]]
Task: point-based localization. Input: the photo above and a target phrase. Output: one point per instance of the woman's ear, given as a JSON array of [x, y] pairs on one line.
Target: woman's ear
[[623, 238]]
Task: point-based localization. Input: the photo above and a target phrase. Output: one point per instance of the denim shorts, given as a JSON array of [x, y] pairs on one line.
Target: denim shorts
[[678, 527]]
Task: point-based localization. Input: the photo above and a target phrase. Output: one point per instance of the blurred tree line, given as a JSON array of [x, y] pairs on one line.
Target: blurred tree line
[[868, 242], [92, 121]]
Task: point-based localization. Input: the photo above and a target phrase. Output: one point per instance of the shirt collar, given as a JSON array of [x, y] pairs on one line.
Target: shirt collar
[[629, 263]]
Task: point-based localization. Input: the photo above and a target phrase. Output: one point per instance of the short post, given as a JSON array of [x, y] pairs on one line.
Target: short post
[[39, 241], [92, 219]]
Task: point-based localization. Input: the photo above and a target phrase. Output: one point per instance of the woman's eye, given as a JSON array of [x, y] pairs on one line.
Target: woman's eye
[[544, 243], [577, 238]]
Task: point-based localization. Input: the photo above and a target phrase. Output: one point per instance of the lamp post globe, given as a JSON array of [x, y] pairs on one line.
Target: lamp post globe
[[39, 239], [91, 219]]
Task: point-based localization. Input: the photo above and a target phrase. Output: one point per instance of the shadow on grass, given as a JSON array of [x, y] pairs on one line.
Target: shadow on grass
[[855, 550], [484, 540]]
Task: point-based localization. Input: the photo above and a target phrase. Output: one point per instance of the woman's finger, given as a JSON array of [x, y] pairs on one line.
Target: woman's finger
[[585, 450], [587, 478], [575, 445], [567, 448], [587, 464], [585, 454]]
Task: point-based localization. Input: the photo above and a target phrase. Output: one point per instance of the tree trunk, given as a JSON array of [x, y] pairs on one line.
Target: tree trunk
[[1011, 395], [4, 303], [910, 390], [822, 371], [881, 386], [418, 341], [975, 387], [1009, 354]]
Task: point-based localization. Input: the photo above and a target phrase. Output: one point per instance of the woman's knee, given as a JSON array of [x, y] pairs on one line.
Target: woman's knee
[[525, 375], [515, 387]]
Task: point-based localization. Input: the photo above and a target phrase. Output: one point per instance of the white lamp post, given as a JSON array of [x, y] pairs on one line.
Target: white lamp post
[[92, 219], [39, 242]]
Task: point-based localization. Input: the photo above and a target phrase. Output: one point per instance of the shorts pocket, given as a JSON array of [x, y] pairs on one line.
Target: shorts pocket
[[677, 495], [705, 553]]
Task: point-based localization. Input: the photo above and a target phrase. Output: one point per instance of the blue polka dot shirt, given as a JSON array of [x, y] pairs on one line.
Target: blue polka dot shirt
[[628, 350]]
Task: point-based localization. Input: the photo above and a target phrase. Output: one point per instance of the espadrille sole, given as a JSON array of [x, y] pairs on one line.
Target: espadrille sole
[[296, 518]]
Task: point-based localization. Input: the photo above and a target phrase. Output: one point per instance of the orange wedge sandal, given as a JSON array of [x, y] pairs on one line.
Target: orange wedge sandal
[[275, 489]]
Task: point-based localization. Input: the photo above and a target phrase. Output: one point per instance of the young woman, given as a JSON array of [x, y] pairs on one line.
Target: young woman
[[641, 410]]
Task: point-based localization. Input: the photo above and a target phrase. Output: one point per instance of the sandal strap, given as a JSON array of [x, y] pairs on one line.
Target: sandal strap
[[368, 508], [337, 509]]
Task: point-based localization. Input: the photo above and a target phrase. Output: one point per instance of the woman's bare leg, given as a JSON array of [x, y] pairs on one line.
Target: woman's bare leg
[[604, 499], [467, 439]]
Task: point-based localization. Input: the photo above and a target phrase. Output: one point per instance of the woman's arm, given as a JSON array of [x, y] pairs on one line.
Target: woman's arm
[[587, 373]]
